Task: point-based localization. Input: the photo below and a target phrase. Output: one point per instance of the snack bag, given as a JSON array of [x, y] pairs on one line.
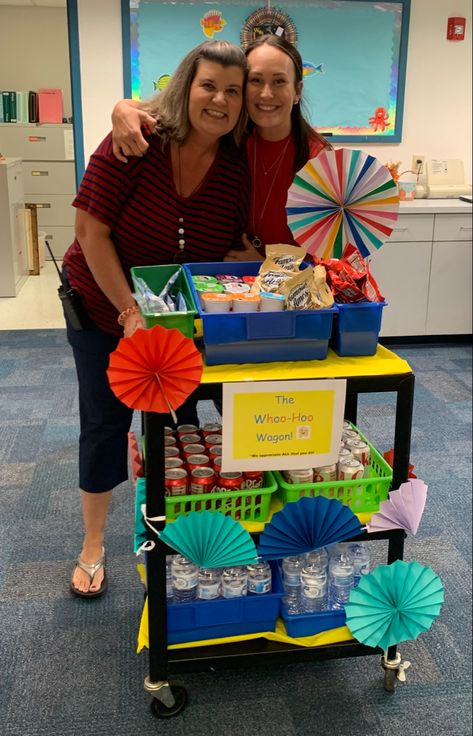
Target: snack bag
[[281, 262], [297, 290], [288, 257]]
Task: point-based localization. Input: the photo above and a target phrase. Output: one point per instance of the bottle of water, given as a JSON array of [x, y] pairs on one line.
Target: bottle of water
[[234, 582], [291, 567], [259, 577], [209, 583], [360, 555], [318, 557], [313, 589], [341, 581], [184, 579], [169, 590]]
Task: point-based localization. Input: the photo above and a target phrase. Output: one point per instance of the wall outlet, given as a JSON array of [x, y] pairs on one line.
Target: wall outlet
[[418, 161]]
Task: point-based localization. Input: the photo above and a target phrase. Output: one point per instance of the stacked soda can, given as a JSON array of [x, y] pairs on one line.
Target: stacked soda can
[[193, 463]]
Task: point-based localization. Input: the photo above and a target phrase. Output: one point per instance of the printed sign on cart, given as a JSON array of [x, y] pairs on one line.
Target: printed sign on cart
[[278, 425]]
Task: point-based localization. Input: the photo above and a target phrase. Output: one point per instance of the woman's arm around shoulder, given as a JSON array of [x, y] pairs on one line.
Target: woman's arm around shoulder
[[128, 121]]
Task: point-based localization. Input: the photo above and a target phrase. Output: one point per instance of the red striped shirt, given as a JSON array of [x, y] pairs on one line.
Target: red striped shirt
[[139, 203]]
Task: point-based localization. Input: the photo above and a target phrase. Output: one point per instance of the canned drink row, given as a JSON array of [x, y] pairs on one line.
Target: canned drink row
[[203, 479], [353, 462]]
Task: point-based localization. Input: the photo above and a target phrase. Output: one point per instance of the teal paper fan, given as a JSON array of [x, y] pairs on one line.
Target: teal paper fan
[[394, 603], [306, 525], [210, 539]]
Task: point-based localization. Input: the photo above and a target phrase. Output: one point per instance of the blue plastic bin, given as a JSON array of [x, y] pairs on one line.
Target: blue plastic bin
[[225, 616], [307, 624], [356, 328], [260, 337]]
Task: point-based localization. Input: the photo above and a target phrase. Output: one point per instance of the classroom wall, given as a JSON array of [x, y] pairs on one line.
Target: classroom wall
[[34, 50]]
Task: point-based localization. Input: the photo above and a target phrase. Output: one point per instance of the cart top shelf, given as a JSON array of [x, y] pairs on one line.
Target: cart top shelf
[[383, 363]]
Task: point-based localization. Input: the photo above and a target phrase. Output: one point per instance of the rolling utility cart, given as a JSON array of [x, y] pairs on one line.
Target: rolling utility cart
[[382, 372]]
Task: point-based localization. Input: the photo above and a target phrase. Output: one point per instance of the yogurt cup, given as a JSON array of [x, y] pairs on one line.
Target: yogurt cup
[[246, 302], [216, 303], [272, 302]]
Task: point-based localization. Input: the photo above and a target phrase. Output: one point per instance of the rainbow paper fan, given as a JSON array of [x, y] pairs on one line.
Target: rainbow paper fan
[[210, 539], [306, 525], [339, 197], [394, 603]]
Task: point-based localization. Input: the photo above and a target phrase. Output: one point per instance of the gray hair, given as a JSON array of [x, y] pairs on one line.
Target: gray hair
[[171, 106]]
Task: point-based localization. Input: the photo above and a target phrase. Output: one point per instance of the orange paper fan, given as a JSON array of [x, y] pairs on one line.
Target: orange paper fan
[[155, 369]]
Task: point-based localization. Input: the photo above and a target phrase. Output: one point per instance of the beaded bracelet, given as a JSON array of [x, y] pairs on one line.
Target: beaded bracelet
[[126, 313]]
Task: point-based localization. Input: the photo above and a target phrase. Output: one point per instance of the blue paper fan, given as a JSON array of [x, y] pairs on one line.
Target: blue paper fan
[[210, 539], [305, 525], [394, 603]]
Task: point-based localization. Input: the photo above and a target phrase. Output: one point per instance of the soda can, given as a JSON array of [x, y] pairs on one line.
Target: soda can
[[230, 481], [169, 430], [211, 428], [215, 451], [325, 473], [212, 439], [349, 434], [301, 475], [190, 439], [175, 482], [187, 429], [350, 469], [173, 462], [347, 425], [195, 449], [169, 440], [171, 451], [360, 451], [217, 463], [253, 478], [202, 480], [197, 461]]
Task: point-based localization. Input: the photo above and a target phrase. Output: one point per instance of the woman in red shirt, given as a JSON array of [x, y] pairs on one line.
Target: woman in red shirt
[[279, 143]]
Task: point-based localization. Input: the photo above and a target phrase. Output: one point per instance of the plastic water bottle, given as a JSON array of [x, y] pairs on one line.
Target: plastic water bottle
[[169, 589], [360, 555], [291, 567], [234, 583], [314, 595], [184, 579], [208, 586], [341, 580], [318, 557], [259, 577]]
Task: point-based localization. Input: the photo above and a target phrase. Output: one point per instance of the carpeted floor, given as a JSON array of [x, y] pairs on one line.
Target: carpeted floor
[[69, 668]]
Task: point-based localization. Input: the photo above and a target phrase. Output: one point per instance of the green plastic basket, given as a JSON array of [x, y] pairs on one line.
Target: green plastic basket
[[156, 277], [361, 495]]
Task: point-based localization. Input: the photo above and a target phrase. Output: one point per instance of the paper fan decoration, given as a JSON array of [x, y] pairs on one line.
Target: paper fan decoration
[[402, 510], [306, 525], [394, 603], [210, 539], [155, 369], [339, 197]]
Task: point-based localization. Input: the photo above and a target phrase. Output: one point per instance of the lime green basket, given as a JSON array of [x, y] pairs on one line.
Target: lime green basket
[[361, 495], [156, 277]]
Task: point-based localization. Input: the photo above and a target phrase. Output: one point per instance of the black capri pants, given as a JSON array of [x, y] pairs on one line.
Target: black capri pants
[[104, 420]]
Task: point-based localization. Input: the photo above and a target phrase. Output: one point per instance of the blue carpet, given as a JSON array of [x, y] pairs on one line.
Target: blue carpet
[[69, 667]]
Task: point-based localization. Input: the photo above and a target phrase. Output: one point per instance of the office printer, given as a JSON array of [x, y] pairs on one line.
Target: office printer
[[444, 179]]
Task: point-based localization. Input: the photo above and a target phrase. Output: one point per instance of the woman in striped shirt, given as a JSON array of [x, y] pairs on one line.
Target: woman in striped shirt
[[187, 200]]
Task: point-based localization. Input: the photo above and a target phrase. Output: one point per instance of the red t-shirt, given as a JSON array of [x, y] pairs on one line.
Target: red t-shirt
[[139, 202], [267, 219]]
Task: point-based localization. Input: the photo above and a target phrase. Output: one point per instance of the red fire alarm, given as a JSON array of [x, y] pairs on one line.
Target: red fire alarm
[[456, 29]]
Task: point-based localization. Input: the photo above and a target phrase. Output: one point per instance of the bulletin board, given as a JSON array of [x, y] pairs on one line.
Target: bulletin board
[[354, 54]]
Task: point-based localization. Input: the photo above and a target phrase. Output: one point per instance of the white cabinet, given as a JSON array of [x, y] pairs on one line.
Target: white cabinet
[[13, 251], [449, 307], [48, 175]]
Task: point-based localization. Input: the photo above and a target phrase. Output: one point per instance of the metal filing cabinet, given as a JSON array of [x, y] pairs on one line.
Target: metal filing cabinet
[[13, 250], [48, 175]]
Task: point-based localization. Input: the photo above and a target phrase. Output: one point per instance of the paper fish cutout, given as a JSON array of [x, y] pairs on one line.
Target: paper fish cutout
[[309, 69], [162, 82], [212, 22]]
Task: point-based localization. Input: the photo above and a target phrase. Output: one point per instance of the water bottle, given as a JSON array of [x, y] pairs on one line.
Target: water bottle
[[291, 567], [359, 552], [184, 579], [234, 582], [313, 589], [318, 557], [259, 577], [208, 586], [169, 590], [341, 581]]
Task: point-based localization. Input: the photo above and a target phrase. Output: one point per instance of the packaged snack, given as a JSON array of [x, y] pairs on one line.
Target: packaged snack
[[288, 257], [297, 290]]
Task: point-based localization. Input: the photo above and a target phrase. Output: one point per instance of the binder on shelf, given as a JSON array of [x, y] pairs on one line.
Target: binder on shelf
[[12, 96], [32, 107], [22, 107], [6, 107], [49, 106], [2, 119]]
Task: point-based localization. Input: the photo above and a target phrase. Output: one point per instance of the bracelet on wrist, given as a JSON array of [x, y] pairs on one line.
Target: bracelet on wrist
[[127, 313]]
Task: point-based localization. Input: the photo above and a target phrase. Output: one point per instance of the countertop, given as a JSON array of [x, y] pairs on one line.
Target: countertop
[[435, 207]]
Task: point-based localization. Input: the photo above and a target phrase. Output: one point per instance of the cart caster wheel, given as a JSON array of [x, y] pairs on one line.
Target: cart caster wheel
[[390, 680], [159, 710]]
